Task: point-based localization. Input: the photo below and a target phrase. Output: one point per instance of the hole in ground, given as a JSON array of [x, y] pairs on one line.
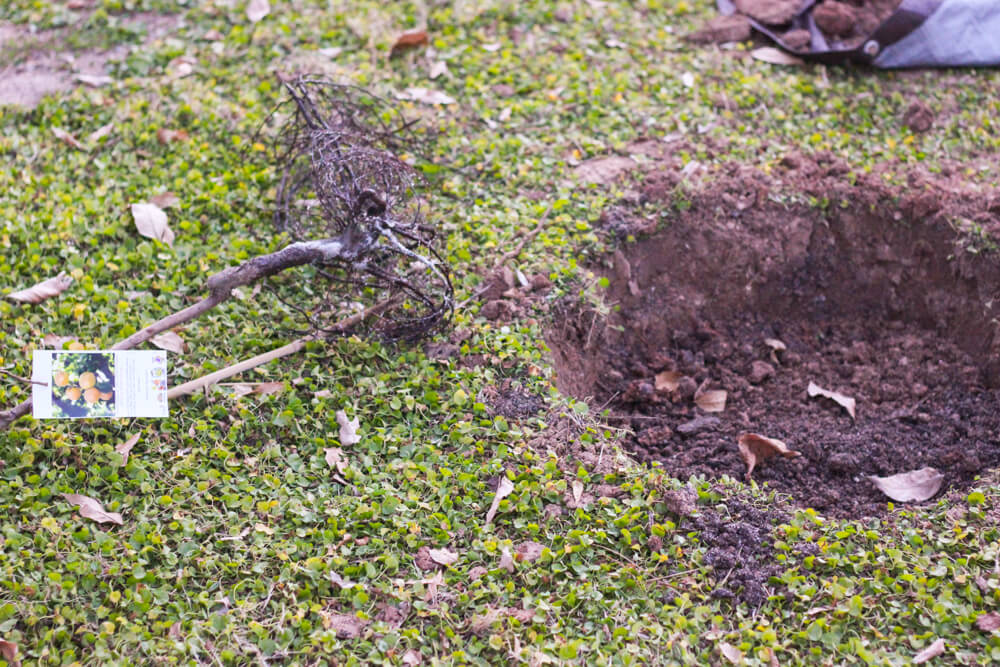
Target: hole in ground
[[882, 303]]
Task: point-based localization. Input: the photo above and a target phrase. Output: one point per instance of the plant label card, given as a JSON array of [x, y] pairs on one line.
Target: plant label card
[[99, 383]]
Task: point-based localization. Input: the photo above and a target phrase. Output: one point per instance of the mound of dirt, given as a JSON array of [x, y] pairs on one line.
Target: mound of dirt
[[876, 297]]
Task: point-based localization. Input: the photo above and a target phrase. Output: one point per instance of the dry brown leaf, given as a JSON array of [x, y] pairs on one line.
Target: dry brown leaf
[[843, 401], [506, 560], [335, 458], [100, 133], [603, 170], [124, 448], [409, 40], [91, 509], [436, 69], [348, 429], [731, 653], [169, 341], [443, 556], [347, 626], [667, 381], [528, 551], [43, 290], [481, 623], [340, 582], [67, 138], [988, 622], [912, 486], [756, 448], [258, 9], [175, 630], [577, 488], [322, 393], [165, 200], [769, 54], [52, 340], [166, 136], [265, 388], [713, 400], [425, 96], [8, 651], [412, 658], [932, 651], [504, 489], [151, 222], [237, 389], [775, 344], [772, 658]]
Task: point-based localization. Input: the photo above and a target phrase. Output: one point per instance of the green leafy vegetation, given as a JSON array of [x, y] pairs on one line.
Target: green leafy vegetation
[[242, 543]]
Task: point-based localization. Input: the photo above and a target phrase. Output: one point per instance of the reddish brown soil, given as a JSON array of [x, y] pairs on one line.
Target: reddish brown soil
[[848, 24], [877, 297]]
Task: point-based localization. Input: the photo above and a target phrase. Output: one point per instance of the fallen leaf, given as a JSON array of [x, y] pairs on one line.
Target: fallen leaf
[[481, 623], [772, 658], [124, 448], [412, 658], [178, 69], [213, 35], [165, 200], [425, 96], [932, 651], [988, 622], [335, 458], [667, 380], [409, 40], [504, 489], [8, 651], [775, 344], [843, 401], [756, 448], [67, 138], [436, 69], [348, 429], [322, 393], [603, 170], [713, 400], [340, 582], [347, 626], [731, 653], [100, 133], [175, 630], [166, 136], [258, 9], [94, 80], [151, 222], [169, 341], [266, 388], [91, 509], [52, 340], [769, 54], [577, 487], [506, 560], [443, 556], [528, 551], [912, 486], [43, 290], [261, 528]]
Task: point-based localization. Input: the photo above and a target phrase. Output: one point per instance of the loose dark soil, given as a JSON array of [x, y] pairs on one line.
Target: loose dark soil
[[877, 296]]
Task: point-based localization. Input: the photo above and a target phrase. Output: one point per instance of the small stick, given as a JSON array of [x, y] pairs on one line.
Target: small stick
[[24, 380], [206, 381]]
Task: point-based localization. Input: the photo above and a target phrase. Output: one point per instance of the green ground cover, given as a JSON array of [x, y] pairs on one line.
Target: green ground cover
[[238, 537]]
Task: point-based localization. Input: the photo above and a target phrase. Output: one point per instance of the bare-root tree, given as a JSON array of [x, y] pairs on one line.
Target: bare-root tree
[[344, 196]]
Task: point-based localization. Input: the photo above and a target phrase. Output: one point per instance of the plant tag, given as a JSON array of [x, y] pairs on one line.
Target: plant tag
[[99, 383]]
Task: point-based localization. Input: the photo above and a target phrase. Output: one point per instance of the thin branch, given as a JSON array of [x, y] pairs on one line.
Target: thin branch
[[285, 350], [24, 380]]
